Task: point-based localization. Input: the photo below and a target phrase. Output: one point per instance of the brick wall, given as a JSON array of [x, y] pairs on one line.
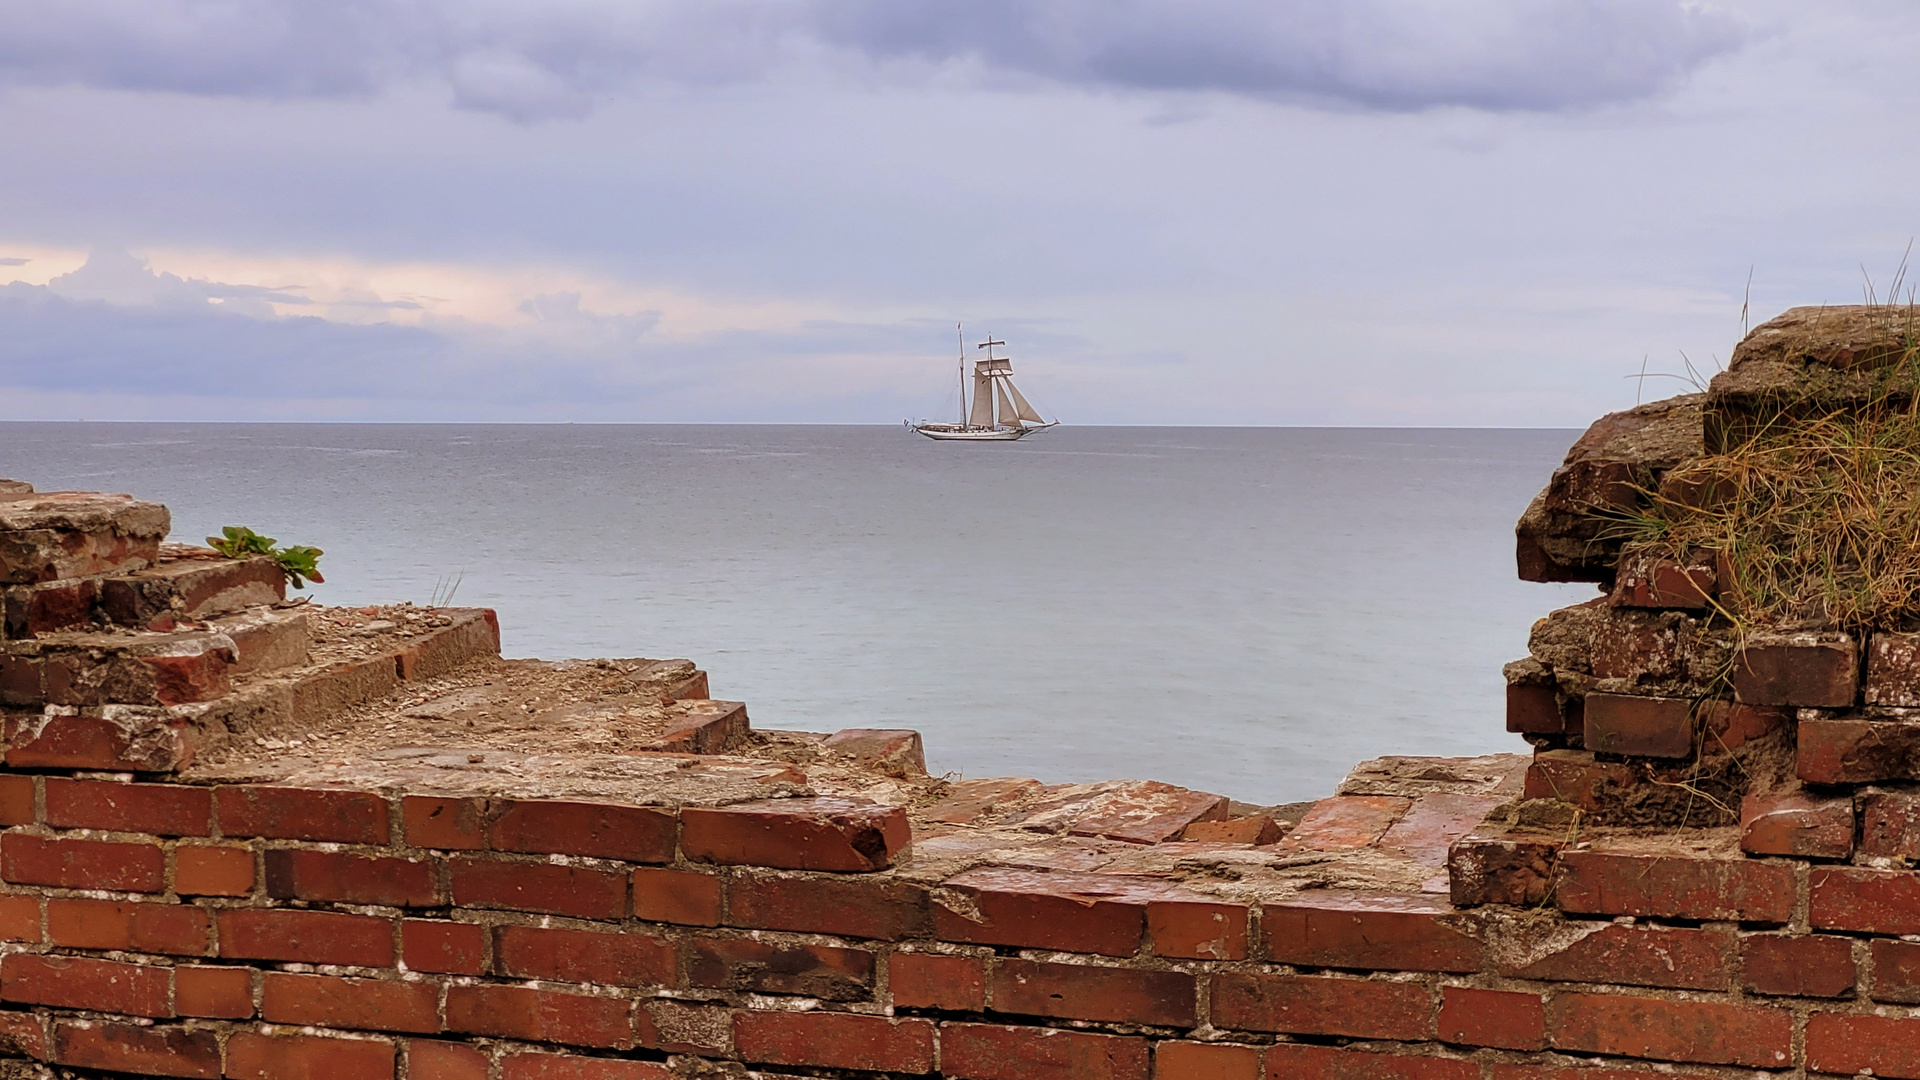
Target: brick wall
[[259, 930]]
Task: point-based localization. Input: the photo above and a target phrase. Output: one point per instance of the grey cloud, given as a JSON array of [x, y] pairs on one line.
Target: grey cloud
[[532, 61], [14, 260]]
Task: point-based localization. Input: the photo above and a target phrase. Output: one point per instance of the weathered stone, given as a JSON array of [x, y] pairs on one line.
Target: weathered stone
[[1640, 726], [1258, 829], [1564, 534], [1563, 640], [102, 669], [895, 752], [1807, 670], [191, 587], [1136, 811], [266, 639], [47, 607], [1651, 581], [1893, 670], [48, 536], [1535, 705], [1795, 823], [705, 727], [15, 487], [1807, 362], [110, 737]]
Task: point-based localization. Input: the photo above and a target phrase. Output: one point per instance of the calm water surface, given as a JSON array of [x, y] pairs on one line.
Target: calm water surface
[[1248, 611]]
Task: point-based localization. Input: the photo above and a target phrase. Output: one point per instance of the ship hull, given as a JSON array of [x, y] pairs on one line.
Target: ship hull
[[946, 433]]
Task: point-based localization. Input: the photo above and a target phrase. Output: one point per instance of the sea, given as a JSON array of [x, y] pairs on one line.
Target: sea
[[1246, 611]]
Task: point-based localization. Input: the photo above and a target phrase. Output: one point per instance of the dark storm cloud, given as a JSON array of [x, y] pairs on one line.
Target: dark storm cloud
[[531, 60]]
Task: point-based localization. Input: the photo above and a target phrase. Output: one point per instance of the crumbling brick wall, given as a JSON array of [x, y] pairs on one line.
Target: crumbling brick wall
[[711, 904]]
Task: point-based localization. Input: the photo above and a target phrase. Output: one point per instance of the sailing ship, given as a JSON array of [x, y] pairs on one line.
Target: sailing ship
[[992, 384]]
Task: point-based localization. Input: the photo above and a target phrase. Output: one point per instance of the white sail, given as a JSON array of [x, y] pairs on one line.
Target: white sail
[[1007, 416], [982, 415], [1020, 407]]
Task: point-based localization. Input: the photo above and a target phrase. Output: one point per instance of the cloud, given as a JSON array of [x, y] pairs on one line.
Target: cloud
[[531, 61], [115, 328], [14, 260]]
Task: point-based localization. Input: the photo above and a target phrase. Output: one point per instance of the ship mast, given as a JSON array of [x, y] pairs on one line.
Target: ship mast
[[962, 334]]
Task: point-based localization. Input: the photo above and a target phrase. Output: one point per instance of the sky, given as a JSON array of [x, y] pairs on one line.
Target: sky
[[1290, 212]]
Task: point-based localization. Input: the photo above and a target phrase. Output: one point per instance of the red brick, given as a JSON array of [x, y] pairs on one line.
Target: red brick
[[1314, 1005], [624, 958], [1499, 1018], [937, 981], [1889, 823], [16, 800], [1652, 886], [369, 1004], [307, 937], [219, 992], [1063, 911], [820, 971], [142, 1051], [286, 813], [1339, 928], [1574, 777], [19, 917], [1639, 645], [845, 907], [835, 1041], [23, 1034], [1085, 992], [1797, 825], [677, 896], [431, 1060], [447, 824], [1804, 670], [1631, 956], [1893, 670], [681, 1027], [1896, 971], [564, 1067], [1866, 901], [454, 948], [1505, 1071], [137, 743], [1809, 966], [1639, 726], [79, 982], [1497, 867], [212, 870], [1692, 1031], [301, 874], [1345, 822], [1205, 1061], [533, 886], [1731, 725], [307, 1057], [642, 834], [1197, 929], [1293, 1061], [519, 1012], [161, 809], [82, 864], [1839, 1043], [173, 929], [1647, 581], [1854, 750], [1256, 830], [1533, 708], [993, 1052], [825, 833]]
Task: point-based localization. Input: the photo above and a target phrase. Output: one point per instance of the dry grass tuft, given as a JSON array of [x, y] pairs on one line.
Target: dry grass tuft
[[1815, 520]]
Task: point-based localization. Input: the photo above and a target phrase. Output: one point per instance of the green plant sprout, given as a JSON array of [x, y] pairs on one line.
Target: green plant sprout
[[300, 564]]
